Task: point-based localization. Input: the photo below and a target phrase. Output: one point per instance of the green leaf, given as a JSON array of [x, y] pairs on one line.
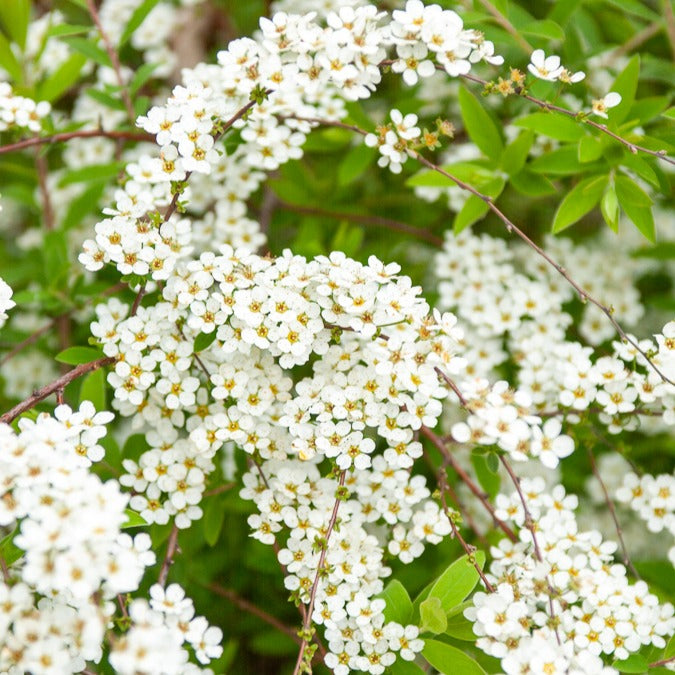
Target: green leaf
[[432, 616], [669, 114], [401, 667], [62, 79], [479, 125], [473, 210], [15, 15], [459, 627], [488, 479], [626, 85], [204, 341], [532, 184], [141, 76], [66, 29], [609, 206], [642, 168], [450, 660], [458, 580], [637, 205], [105, 99], [635, 663], [348, 239], [355, 163], [646, 109], [55, 257], [545, 28], [515, 154], [74, 356], [8, 60], [9, 551], [590, 149], [133, 519], [561, 162], [93, 389], [90, 49], [552, 124], [470, 172], [399, 607], [137, 19], [214, 517], [94, 172], [578, 202], [83, 205], [635, 7]]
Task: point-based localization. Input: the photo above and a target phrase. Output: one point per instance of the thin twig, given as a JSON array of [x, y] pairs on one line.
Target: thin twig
[[506, 25], [114, 60], [670, 24], [63, 137], [219, 490], [662, 662], [376, 221], [249, 607], [54, 386], [171, 548], [610, 505], [639, 38], [315, 586], [545, 105], [468, 549], [584, 295], [530, 525], [35, 336], [466, 479]]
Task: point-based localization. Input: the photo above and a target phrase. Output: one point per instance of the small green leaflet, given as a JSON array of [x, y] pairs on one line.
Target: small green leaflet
[[458, 580], [450, 660]]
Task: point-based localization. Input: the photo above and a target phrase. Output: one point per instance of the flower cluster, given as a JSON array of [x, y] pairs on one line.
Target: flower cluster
[[6, 302], [73, 556], [20, 111], [494, 299], [394, 140], [653, 499], [161, 629], [561, 603], [294, 495]]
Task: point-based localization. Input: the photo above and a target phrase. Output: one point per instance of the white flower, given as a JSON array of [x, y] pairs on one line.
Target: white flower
[[543, 67], [602, 105]]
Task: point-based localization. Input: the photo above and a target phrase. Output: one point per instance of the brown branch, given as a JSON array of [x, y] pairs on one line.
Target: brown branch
[[544, 105], [171, 548], [54, 386], [506, 25], [219, 490], [670, 24], [610, 505], [376, 221], [315, 586], [114, 59], [63, 137], [529, 524], [466, 479], [512, 227], [35, 336], [468, 549], [662, 662], [592, 409], [639, 38], [249, 607]]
